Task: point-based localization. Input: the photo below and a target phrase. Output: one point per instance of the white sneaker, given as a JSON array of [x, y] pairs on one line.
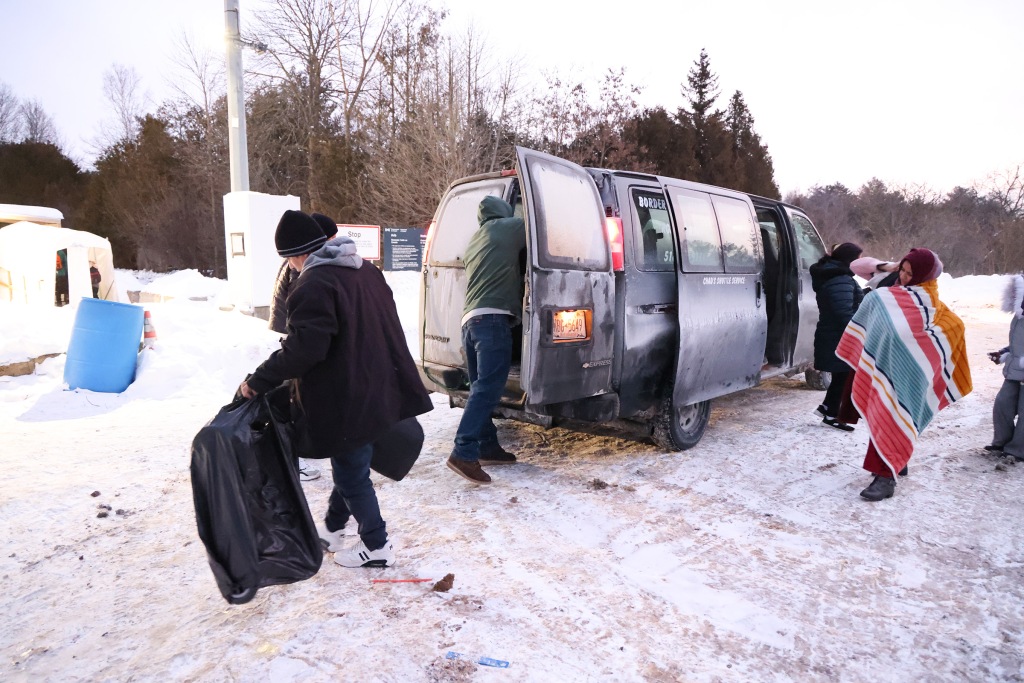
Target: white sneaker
[[332, 541], [307, 472], [359, 556]]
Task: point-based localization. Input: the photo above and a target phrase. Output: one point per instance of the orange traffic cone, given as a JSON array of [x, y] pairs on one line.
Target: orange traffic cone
[[148, 331]]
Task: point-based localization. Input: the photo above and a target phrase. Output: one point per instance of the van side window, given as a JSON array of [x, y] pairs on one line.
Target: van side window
[[809, 244], [653, 232], [570, 222], [702, 246], [739, 243], [457, 221]]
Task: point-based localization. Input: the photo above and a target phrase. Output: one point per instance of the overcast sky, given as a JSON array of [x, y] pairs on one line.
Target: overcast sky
[[910, 91]]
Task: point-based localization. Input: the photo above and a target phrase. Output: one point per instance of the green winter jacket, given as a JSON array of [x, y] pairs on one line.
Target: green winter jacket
[[492, 259]]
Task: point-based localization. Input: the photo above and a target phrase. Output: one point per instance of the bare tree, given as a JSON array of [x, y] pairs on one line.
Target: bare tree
[[202, 85], [1007, 188], [122, 89], [10, 115], [360, 32], [201, 73], [38, 125], [441, 114], [301, 41]]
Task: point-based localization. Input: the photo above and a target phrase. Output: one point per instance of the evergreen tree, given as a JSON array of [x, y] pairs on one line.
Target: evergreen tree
[[707, 123], [751, 165], [661, 144], [39, 174]]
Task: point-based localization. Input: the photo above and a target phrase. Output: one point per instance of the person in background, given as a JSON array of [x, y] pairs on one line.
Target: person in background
[[286, 276], [910, 357], [94, 276], [494, 305], [354, 375], [1007, 425], [326, 224], [838, 296], [61, 297], [877, 273]]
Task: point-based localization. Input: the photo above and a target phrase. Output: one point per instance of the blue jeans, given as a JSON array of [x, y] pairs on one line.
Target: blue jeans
[[488, 342], [353, 495]]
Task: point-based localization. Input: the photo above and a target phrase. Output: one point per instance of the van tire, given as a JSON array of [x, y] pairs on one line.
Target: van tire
[[816, 379], [680, 429]]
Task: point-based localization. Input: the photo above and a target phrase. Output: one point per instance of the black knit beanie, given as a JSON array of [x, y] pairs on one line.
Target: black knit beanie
[[326, 224], [846, 252], [297, 234]]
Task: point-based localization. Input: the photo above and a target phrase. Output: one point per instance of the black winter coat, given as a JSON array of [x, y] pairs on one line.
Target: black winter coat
[[838, 296], [345, 344]]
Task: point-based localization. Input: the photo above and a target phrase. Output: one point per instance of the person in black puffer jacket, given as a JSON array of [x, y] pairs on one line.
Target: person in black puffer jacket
[[838, 296]]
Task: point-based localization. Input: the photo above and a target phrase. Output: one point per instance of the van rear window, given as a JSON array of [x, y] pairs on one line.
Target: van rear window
[[570, 223], [457, 221]]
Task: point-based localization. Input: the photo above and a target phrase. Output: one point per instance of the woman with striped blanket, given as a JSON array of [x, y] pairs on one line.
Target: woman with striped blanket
[[908, 352]]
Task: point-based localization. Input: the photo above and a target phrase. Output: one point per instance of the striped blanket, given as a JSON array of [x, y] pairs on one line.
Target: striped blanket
[[910, 358]]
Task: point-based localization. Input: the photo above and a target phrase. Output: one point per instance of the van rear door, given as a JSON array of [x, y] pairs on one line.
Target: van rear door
[[568, 317], [722, 320], [443, 293]]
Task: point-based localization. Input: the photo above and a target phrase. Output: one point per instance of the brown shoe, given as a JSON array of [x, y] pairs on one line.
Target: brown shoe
[[468, 469], [496, 456]]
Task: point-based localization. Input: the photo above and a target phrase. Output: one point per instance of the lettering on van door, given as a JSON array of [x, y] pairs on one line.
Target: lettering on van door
[[648, 202], [724, 280]]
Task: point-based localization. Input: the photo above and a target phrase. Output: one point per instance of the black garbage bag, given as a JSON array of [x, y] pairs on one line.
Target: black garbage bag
[[397, 449], [394, 452], [250, 510]]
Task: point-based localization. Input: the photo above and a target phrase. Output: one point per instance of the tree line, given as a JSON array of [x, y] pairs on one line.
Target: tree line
[[368, 112]]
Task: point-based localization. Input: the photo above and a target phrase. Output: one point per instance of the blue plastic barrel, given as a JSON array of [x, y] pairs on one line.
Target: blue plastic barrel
[[104, 346]]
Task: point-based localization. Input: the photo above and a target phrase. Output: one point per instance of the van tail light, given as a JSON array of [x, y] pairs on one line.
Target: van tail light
[[613, 226], [430, 239]]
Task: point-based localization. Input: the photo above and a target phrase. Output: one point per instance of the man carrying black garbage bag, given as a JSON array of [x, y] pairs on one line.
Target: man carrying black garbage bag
[[354, 374]]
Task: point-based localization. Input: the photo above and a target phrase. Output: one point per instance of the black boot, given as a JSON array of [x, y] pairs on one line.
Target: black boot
[[832, 422], [905, 471], [879, 489]]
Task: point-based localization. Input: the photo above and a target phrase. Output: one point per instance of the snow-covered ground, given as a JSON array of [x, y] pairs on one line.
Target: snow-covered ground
[[596, 558]]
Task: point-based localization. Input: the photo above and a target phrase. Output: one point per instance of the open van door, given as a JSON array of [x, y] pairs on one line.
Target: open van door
[[568, 316], [722, 319]]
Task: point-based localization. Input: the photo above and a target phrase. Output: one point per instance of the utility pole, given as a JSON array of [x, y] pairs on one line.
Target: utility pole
[[238, 154], [250, 218]]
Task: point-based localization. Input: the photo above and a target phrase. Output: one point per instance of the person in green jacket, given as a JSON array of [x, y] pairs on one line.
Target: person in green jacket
[[494, 306]]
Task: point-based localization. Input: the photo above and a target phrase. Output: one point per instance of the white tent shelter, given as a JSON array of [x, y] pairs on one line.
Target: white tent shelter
[[28, 254], [43, 215]]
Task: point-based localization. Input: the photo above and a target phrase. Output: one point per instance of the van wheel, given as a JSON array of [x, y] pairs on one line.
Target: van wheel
[[679, 429], [817, 379]]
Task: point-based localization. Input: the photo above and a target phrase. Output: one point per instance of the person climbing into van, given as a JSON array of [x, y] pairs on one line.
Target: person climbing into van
[[910, 356], [838, 296], [1008, 409], [494, 305]]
